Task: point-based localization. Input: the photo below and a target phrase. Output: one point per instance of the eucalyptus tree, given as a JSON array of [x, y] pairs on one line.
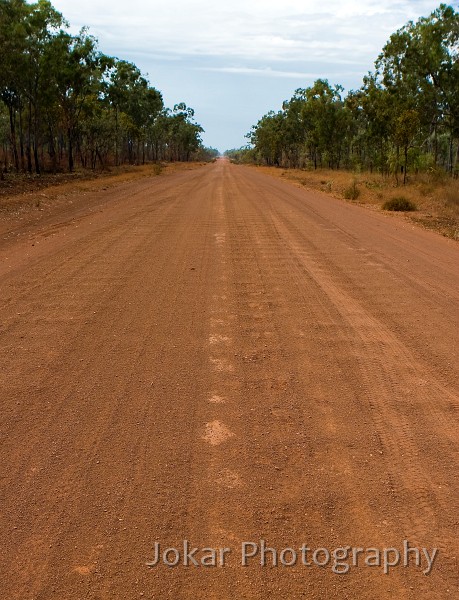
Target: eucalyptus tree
[[63, 99], [325, 118], [183, 133], [267, 136], [135, 106], [313, 123], [42, 23], [405, 115], [26, 30], [294, 132], [419, 66], [13, 44], [371, 108], [76, 66]]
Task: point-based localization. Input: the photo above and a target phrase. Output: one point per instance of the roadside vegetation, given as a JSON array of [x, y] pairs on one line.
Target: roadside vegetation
[[401, 128], [66, 105], [434, 195], [399, 204]]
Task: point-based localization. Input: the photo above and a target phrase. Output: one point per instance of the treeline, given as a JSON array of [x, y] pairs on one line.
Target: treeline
[[64, 102], [405, 115]]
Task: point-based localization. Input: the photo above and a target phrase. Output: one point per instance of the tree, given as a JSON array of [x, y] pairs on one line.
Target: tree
[[76, 68], [63, 96], [419, 66], [128, 92], [408, 106]]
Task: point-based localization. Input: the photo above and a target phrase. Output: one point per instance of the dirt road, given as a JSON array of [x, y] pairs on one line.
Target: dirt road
[[219, 357]]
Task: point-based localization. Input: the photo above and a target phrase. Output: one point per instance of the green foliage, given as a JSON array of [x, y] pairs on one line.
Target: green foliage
[[241, 155], [400, 203], [67, 101], [205, 154], [309, 130], [407, 109]]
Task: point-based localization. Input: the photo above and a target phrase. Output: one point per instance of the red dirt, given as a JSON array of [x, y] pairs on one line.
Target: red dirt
[[221, 357]]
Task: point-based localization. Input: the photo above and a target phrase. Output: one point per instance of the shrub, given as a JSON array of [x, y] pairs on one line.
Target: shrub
[[400, 203], [157, 169], [352, 192]]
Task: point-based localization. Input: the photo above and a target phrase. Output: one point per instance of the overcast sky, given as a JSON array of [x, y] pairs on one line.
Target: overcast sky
[[233, 61]]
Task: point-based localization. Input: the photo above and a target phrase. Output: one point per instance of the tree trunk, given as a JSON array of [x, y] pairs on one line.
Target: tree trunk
[[21, 140], [14, 147], [52, 148], [70, 148], [99, 156], [405, 166], [29, 140], [435, 145], [35, 158], [36, 141], [116, 137]]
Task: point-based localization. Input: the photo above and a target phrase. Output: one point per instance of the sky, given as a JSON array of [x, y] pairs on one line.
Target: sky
[[234, 61]]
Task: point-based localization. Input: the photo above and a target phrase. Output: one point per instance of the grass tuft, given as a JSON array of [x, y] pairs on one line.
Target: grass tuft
[[400, 203], [351, 192]]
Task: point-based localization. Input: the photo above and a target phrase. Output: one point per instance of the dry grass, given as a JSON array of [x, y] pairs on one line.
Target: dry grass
[[435, 195], [400, 204], [22, 192]]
